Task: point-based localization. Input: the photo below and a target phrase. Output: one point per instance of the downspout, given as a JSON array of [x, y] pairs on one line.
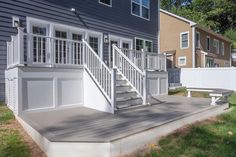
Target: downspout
[[193, 46], [158, 31]]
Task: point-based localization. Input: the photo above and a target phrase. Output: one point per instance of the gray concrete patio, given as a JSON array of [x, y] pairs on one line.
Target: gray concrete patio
[[88, 125]]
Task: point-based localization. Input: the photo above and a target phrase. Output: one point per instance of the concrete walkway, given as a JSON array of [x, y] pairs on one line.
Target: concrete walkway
[[88, 125]]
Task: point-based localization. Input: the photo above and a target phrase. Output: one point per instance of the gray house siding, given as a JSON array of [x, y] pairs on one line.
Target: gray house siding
[[115, 20]]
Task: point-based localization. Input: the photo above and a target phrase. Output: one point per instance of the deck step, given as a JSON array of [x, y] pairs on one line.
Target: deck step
[[130, 107], [123, 88], [129, 102], [121, 82], [126, 94]]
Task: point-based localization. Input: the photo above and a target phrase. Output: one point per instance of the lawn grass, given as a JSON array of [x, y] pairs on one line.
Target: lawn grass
[[183, 92], [215, 137], [11, 141]]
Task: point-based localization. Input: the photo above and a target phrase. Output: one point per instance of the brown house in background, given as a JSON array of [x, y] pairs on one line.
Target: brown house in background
[[189, 45]]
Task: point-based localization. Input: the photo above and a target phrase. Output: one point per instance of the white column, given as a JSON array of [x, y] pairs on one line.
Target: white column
[[193, 46], [20, 39]]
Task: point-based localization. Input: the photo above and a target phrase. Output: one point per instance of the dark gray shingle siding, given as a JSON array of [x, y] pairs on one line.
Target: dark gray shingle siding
[[116, 20]]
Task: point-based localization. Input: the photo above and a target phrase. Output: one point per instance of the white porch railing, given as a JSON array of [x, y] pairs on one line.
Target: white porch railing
[[104, 77], [43, 51], [39, 50], [152, 61], [131, 72]]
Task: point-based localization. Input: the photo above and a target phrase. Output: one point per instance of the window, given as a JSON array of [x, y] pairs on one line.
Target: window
[[222, 48], [61, 47], [141, 8], [106, 2], [125, 45], [77, 37], [39, 44], [208, 43], [182, 61], [198, 43], [184, 39], [210, 62], [39, 30], [93, 42], [143, 44], [216, 45]]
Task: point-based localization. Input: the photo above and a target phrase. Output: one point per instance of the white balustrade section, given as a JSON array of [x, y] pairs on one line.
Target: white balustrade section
[[151, 61], [104, 77], [39, 50], [131, 72]]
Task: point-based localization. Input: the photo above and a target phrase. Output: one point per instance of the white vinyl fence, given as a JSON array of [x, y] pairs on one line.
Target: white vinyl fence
[[209, 78]]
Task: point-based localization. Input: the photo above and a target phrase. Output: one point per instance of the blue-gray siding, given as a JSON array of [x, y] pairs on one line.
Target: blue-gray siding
[[116, 20]]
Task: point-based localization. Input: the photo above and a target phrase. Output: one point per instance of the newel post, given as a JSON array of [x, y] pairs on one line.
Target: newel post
[[113, 89], [144, 65], [20, 46]]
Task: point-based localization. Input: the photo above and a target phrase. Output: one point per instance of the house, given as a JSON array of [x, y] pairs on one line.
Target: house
[[101, 54], [189, 45]]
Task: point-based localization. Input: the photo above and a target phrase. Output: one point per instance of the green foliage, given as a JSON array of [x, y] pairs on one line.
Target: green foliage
[[5, 114], [231, 34], [12, 144]]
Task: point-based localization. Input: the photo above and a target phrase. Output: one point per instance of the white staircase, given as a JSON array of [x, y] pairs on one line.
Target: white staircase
[[126, 96]]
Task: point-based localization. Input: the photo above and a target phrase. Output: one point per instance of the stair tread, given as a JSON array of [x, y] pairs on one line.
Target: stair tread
[[127, 99], [123, 92], [128, 107]]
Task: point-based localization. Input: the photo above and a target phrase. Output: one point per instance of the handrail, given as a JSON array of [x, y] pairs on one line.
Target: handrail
[[131, 73], [98, 70], [128, 60]]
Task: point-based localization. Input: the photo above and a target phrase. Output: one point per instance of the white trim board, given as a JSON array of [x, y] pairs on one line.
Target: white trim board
[[179, 17]]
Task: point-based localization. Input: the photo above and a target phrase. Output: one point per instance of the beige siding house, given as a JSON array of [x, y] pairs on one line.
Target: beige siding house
[[189, 45]]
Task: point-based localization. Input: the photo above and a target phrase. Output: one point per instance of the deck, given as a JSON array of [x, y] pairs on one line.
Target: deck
[[88, 125]]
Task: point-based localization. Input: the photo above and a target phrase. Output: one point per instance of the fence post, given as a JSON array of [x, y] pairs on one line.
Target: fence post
[[113, 89], [20, 38], [83, 53]]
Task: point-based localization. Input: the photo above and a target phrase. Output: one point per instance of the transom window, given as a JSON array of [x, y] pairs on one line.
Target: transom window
[[93, 42], [141, 8], [106, 2], [77, 37], [184, 40], [39, 30], [125, 45], [143, 44], [61, 34]]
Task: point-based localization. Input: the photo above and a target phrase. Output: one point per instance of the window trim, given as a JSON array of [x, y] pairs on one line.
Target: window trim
[[198, 42], [140, 9], [99, 1], [144, 40], [208, 37], [181, 45], [182, 57]]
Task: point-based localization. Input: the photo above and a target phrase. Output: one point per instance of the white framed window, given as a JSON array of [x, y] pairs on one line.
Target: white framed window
[[94, 43], [216, 45], [106, 2], [184, 40], [208, 43], [144, 44], [198, 41], [141, 8], [182, 61], [222, 48], [210, 62]]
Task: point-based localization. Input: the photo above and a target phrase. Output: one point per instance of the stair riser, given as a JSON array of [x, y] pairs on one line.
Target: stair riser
[[129, 102], [126, 95], [121, 82], [123, 89]]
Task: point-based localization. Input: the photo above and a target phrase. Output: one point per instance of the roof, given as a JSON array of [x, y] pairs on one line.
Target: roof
[[179, 17], [194, 24]]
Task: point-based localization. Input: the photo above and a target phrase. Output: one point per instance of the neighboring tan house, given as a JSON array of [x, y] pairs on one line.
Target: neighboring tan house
[[188, 45]]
